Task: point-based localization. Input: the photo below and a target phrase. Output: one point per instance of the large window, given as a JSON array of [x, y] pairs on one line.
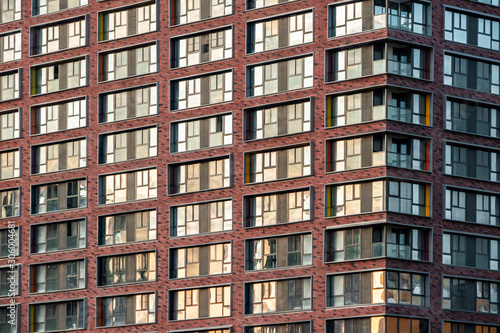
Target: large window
[[201, 48], [463, 72], [59, 116], [59, 156], [280, 76], [278, 164], [10, 87], [7, 234], [10, 162], [471, 251], [472, 206], [129, 21], [41, 7], [127, 268], [202, 133], [10, 10], [200, 176], [380, 324], [209, 302], [280, 32], [10, 199], [286, 328], [278, 296], [59, 76], [120, 64], [379, 58], [128, 104], [130, 145], [57, 316], [470, 295], [188, 11], [201, 91], [71, 194], [59, 36], [377, 287], [207, 217], [283, 119], [472, 117], [379, 149], [381, 240], [451, 327], [10, 46], [278, 252], [128, 227], [472, 162], [128, 186], [57, 276], [356, 17], [6, 322], [277, 208], [126, 310], [10, 123], [58, 236], [375, 196], [203, 260], [466, 28], [9, 281]]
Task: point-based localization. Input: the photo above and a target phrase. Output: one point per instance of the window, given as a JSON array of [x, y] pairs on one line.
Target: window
[[57, 316], [489, 2], [202, 133], [10, 123], [382, 324], [9, 203], [472, 162], [58, 236], [57, 117], [41, 7], [472, 206], [281, 32], [130, 21], [472, 74], [201, 91], [128, 268], [127, 104], [61, 36], [10, 46], [278, 252], [7, 234], [5, 320], [224, 330], [253, 4], [10, 10], [206, 175], [472, 117], [57, 276], [59, 156], [9, 86], [10, 164], [277, 208], [366, 197], [129, 227], [60, 76], [470, 295], [486, 32], [130, 145], [130, 62], [470, 251], [391, 240], [451, 327], [198, 49], [200, 261], [53, 197], [126, 310], [188, 11], [128, 186], [278, 164], [377, 287], [293, 74], [287, 328], [201, 218], [278, 120], [278, 296], [9, 281], [200, 303]]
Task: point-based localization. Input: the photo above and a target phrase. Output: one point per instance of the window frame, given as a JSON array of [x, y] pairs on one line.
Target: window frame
[[31, 307], [32, 273], [66, 181], [127, 294], [32, 236]]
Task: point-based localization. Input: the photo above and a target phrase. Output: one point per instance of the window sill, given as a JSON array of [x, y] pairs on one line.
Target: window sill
[[280, 92], [58, 171], [279, 48], [376, 212], [56, 291], [471, 267], [181, 320], [126, 243], [62, 10], [276, 312], [374, 121], [377, 304], [202, 106], [33, 56], [5, 140], [131, 160], [277, 269], [278, 136], [129, 77], [280, 180], [127, 283], [122, 38], [264, 7], [202, 63], [128, 119], [277, 224], [61, 131], [57, 251], [201, 191], [201, 234], [470, 133], [200, 276], [386, 28], [60, 91], [8, 179], [199, 21], [200, 149], [126, 202], [472, 178], [373, 258], [127, 325], [374, 166], [471, 222], [59, 211]]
